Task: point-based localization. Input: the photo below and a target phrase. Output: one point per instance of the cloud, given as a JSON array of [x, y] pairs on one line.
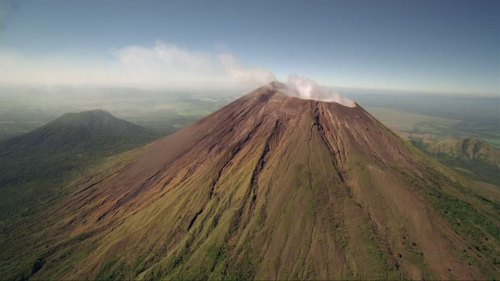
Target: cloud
[[163, 65]]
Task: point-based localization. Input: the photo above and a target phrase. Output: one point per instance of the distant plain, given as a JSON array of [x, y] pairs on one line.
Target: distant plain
[[420, 116]]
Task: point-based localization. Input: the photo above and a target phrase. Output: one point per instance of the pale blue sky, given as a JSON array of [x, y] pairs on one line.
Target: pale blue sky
[[450, 46]]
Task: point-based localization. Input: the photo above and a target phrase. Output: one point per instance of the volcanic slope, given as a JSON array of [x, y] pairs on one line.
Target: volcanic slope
[[272, 187], [34, 166], [57, 146], [65, 144]]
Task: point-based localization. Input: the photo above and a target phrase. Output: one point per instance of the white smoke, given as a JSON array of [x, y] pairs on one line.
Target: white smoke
[[308, 89]]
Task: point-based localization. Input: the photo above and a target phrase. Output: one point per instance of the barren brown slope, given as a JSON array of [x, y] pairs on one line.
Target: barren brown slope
[[274, 187]]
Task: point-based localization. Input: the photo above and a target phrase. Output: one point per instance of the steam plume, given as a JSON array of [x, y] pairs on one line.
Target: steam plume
[[308, 89]]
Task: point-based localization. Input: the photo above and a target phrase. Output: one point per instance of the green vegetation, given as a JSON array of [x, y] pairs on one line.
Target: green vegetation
[[35, 165], [18, 232], [246, 197], [471, 157], [453, 141], [459, 206], [41, 167]]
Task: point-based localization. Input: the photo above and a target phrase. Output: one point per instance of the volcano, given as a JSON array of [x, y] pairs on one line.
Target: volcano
[[273, 187]]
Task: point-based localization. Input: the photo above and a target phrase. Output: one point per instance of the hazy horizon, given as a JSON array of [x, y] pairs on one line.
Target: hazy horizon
[[444, 47]]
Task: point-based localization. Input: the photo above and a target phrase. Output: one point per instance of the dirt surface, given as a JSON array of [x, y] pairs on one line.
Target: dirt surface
[[271, 187]]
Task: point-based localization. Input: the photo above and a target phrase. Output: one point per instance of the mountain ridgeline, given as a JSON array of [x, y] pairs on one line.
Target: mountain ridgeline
[[33, 165], [96, 128], [473, 157], [73, 136], [269, 187]]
